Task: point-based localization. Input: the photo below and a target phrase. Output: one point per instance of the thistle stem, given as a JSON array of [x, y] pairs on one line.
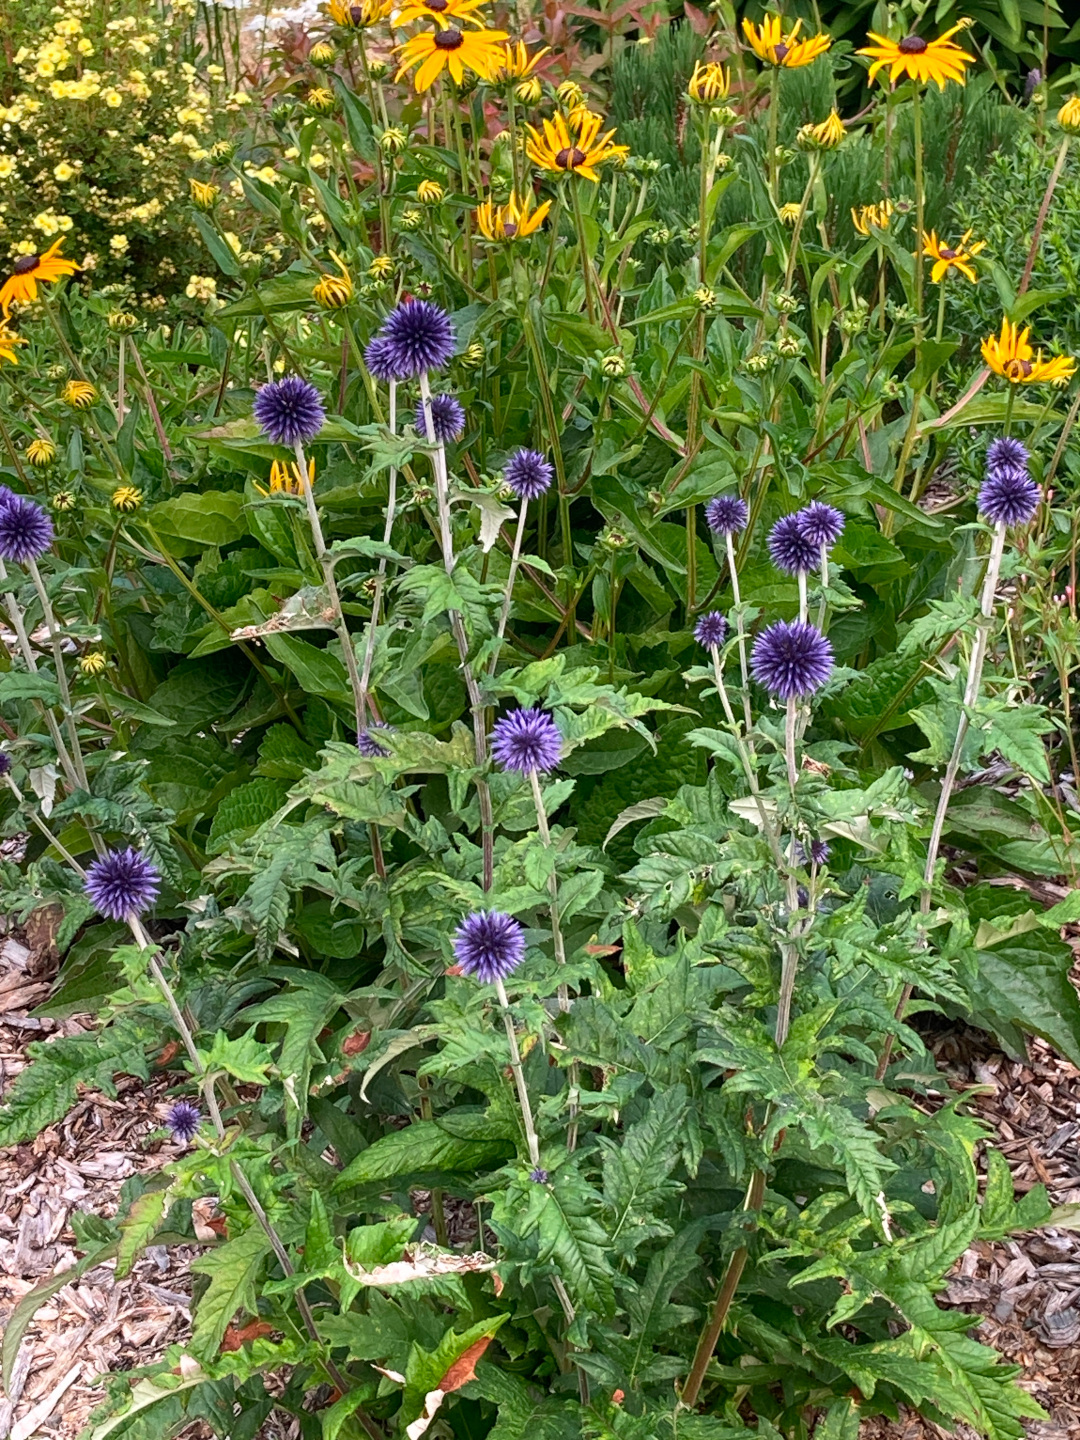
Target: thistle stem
[[380, 578], [61, 672], [519, 1076], [18, 625], [736, 600], [515, 559]]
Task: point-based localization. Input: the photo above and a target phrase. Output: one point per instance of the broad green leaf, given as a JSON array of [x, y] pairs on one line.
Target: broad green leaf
[[423, 1147], [233, 1269], [204, 517]]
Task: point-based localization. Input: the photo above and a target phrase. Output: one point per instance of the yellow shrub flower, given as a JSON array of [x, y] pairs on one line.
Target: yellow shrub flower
[[789, 213], [79, 394], [28, 270], [126, 499], [1011, 356], [381, 267], [920, 60], [443, 12], [954, 257], [770, 44], [512, 221], [518, 64], [575, 148], [361, 16], [321, 100], [41, 452], [876, 215]]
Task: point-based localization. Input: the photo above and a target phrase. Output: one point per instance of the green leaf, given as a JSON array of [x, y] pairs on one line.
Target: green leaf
[[1016, 732], [205, 517], [139, 1227], [304, 1010], [421, 1148], [21, 685], [637, 1171], [233, 1269], [563, 1215], [429, 1370], [243, 810], [317, 671], [245, 1058], [220, 249]]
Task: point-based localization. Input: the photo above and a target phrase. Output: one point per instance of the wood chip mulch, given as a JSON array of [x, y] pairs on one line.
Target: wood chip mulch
[[1023, 1295]]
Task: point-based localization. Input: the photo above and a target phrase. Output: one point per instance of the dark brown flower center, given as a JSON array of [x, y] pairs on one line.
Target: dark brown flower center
[[356, 14], [1018, 369], [449, 39], [948, 254], [570, 158], [912, 45], [509, 229], [25, 264], [781, 51], [438, 6]]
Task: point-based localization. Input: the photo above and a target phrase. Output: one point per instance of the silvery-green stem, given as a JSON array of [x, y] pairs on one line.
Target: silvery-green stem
[[791, 712], [802, 595], [442, 481], [822, 609], [745, 757], [326, 563], [15, 615], [560, 947], [744, 670], [61, 672], [971, 692], [376, 600], [509, 595], [519, 1075], [49, 836]]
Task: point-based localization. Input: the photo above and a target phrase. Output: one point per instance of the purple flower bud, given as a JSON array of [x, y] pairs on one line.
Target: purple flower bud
[[711, 630], [1008, 496], [377, 359], [526, 740], [183, 1121], [26, 531], [289, 410], [1006, 450], [367, 741], [791, 659], [447, 418], [791, 548], [528, 474], [538, 1175], [821, 524], [5, 764], [727, 514], [122, 883], [418, 336], [489, 945]]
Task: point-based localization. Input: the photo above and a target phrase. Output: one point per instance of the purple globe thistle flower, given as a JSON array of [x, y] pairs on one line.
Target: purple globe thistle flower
[[791, 659], [711, 630], [26, 531], [727, 514], [1009, 496], [377, 359], [122, 883], [289, 410], [816, 853], [526, 740], [6, 494], [489, 945], [419, 336], [822, 524], [5, 764], [1006, 450], [447, 418], [183, 1121], [791, 548], [367, 741], [538, 1175], [528, 474]]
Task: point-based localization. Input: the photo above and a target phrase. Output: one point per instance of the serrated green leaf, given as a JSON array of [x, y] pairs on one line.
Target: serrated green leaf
[[233, 1269]]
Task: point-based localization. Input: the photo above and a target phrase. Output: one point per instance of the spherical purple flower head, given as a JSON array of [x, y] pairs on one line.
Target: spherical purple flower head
[[791, 659], [289, 410], [1009, 496], [122, 883], [1005, 450], [5, 764], [26, 531], [6, 494], [419, 336], [489, 945], [377, 360], [711, 630], [183, 1120], [791, 548], [526, 740], [816, 853], [528, 474], [447, 418], [727, 514], [367, 741], [822, 524], [538, 1175]]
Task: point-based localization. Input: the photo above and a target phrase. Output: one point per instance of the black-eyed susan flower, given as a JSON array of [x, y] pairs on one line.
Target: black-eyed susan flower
[[518, 62], [94, 662], [79, 394], [63, 500], [393, 140], [410, 219], [770, 44], [361, 16], [709, 83], [1011, 356], [41, 452], [529, 90], [121, 321], [1068, 117], [126, 499], [472, 357], [512, 221], [286, 479], [332, 291], [951, 257], [575, 147], [443, 12], [877, 216], [920, 60], [454, 50], [31, 270], [8, 341], [321, 100], [203, 194], [381, 267], [570, 95], [825, 136], [322, 53], [789, 213], [429, 192]]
